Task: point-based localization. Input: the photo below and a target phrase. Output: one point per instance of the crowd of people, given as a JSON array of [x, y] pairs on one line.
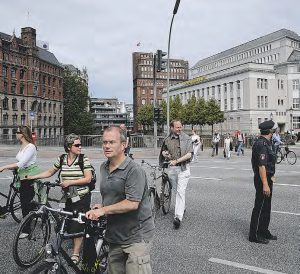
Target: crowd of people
[[124, 188]]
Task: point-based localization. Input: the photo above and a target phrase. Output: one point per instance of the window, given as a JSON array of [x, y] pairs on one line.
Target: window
[[23, 105], [14, 104], [219, 89], [239, 102], [266, 101], [225, 88], [238, 85], [15, 119], [262, 83], [296, 103], [231, 103], [231, 87], [296, 122], [213, 90], [258, 101], [225, 104], [21, 89], [13, 73], [5, 87], [5, 103], [23, 119], [13, 88], [4, 71], [22, 74], [143, 101], [5, 119], [258, 121], [296, 84]]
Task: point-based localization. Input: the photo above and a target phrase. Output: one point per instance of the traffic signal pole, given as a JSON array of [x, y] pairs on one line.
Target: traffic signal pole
[[154, 104]]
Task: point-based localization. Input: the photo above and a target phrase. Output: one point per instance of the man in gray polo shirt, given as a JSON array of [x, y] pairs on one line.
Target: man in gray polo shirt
[[130, 226]]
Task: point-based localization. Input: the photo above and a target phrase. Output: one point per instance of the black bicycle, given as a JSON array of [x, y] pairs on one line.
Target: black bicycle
[[163, 198], [283, 153], [13, 204], [29, 250], [95, 248]]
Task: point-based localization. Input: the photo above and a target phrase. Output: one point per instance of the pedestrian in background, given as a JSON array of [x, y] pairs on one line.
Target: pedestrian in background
[[263, 165], [227, 142], [240, 143], [25, 165], [215, 143], [125, 201], [276, 141], [196, 145], [178, 149]]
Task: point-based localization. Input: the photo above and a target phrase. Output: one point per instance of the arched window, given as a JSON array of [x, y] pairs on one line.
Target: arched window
[[14, 104]]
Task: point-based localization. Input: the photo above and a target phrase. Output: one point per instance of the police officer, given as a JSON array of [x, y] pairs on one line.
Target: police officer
[[263, 165]]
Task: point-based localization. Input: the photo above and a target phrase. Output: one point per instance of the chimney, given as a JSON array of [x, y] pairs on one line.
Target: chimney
[[28, 36]]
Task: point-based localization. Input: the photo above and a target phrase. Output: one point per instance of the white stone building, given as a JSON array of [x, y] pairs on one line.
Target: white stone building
[[252, 82]]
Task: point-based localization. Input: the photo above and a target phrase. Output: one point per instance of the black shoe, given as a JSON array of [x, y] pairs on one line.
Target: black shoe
[[258, 240], [176, 223], [269, 236]]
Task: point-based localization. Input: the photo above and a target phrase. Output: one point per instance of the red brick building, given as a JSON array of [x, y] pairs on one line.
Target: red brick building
[[143, 79], [31, 86]]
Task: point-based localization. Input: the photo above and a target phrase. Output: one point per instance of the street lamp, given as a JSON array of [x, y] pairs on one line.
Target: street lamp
[[168, 65]]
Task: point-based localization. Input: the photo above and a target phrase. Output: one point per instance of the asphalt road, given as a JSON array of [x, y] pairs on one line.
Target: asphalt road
[[213, 235]]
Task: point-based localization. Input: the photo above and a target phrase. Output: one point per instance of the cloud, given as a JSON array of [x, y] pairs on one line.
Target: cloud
[[102, 35]]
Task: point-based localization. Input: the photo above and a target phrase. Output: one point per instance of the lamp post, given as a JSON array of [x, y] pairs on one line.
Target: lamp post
[[168, 65]]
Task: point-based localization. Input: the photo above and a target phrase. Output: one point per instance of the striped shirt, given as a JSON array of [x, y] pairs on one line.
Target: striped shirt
[[73, 172]]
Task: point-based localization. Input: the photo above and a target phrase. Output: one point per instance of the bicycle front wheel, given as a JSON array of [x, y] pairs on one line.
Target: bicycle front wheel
[[47, 268], [15, 207], [279, 157], [291, 157], [166, 195], [154, 202], [29, 249]]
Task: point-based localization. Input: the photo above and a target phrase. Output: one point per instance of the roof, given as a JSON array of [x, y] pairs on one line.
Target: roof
[[43, 54], [295, 56], [249, 45]]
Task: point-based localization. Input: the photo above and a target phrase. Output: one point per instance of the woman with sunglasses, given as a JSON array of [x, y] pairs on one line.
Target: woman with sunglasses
[[74, 184], [26, 165]]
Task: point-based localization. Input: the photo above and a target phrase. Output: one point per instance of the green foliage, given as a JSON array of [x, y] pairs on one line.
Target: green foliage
[[176, 108], [76, 117], [145, 116], [213, 113], [189, 112]]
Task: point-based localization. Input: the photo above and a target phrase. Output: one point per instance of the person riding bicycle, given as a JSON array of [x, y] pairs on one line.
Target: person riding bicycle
[[74, 184], [125, 201], [276, 141], [26, 165]]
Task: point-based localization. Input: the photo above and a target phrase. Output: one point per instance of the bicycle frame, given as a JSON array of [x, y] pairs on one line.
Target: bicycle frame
[[12, 190]]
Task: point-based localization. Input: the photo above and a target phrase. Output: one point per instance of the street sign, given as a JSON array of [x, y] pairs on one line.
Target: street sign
[[31, 114]]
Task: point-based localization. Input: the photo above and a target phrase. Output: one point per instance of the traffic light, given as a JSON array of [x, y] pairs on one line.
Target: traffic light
[[157, 114], [161, 63]]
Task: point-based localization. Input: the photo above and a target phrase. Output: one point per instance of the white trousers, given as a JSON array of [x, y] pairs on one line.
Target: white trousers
[[195, 148], [179, 180]]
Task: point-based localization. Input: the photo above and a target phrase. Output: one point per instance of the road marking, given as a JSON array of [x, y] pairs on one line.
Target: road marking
[[283, 212], [206, 178], [276, 184], [95, 191], [244, 266]]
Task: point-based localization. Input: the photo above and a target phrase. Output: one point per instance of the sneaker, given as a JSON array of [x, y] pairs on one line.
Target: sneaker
[[23, 235], [176, 223]]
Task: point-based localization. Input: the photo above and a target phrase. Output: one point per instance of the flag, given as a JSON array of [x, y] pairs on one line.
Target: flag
[[138, 44]]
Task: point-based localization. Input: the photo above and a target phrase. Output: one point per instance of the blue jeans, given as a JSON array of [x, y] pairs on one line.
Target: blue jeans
[[240, 148]]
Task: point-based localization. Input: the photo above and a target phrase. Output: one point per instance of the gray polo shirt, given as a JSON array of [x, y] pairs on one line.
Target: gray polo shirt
[[129, 182]]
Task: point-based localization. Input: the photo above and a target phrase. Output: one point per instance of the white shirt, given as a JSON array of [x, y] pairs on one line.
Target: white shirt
[[27, 156], [227, 143]]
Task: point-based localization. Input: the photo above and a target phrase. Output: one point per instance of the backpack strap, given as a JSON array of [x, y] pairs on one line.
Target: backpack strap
[[61, 160], [80, 162]]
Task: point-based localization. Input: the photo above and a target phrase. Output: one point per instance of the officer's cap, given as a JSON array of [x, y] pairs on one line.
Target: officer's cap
[[267, 125]]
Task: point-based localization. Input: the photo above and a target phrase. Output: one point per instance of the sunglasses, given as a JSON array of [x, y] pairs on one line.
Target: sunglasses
[[77, 145]]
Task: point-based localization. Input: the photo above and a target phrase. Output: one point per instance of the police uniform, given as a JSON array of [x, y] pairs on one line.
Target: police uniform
[[262, 155]]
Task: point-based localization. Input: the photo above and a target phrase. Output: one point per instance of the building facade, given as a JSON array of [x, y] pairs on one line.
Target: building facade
[[252, 82], [143, 79], [108, 112], [31, 87]]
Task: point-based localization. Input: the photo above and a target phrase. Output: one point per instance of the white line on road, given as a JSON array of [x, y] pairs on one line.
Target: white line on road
[[244, 266], [206, 178], [276, 184], [283, 212]]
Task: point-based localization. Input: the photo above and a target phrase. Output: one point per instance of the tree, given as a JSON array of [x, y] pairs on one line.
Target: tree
[[176, 108], [145, 116], [76, 117], [213, 113], [189, 112], [201, 112]]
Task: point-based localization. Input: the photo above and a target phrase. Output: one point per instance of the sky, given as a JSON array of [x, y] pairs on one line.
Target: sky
[[102, 35]]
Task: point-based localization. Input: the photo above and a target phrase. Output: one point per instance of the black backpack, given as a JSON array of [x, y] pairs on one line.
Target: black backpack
[[92, 183]]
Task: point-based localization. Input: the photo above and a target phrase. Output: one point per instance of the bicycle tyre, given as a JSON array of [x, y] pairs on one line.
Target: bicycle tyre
[[291, 157], [103, 258], [15, 207], [47, 267], [166, 195], [154, 202], [279, 157], [28, 251]]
